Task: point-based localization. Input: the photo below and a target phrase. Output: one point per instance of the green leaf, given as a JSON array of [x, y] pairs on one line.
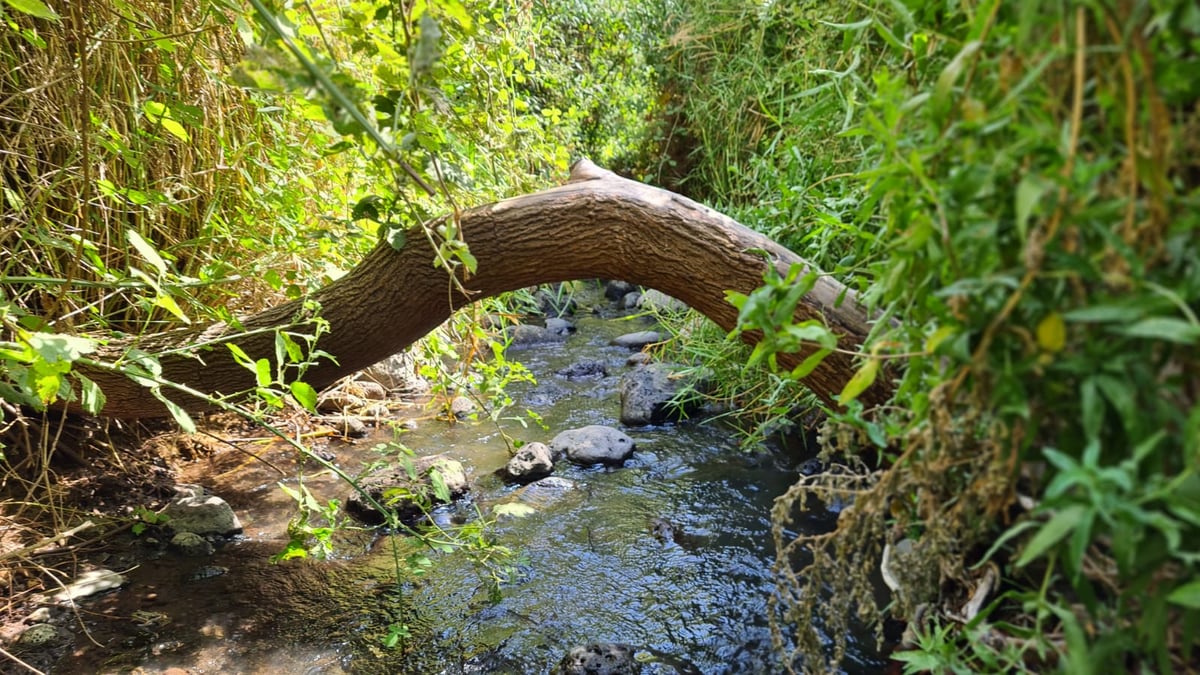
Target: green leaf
[[440, 490], [160, 114], [467, 259], [862, 379], [305, 395], [1104, 313], [1052, 532], [35, 8], [1165, 328], [1029, 192], [943, 88], [397, 237], [54, 347], [262, 371], [810, 364], [90, 396], [285, 343], [148, 252], [1187, 595], [240, 356], [184, 420], [168, 303]]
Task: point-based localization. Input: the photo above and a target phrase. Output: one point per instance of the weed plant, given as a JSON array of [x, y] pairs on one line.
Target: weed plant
[[1013, 188]]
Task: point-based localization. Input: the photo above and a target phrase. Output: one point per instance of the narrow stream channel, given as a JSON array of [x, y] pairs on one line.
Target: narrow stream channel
[[670, 554]]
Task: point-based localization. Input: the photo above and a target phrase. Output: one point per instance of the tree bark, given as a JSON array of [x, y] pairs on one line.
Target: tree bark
[[598, 225]]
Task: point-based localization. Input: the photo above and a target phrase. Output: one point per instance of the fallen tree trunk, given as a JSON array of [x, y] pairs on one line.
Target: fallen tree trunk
[[598, 225]]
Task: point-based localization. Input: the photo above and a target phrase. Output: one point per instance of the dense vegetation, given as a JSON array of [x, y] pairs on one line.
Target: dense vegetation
[[1013, 187]]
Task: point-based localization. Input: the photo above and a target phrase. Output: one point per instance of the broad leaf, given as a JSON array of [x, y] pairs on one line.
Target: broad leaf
[[1059, 526]]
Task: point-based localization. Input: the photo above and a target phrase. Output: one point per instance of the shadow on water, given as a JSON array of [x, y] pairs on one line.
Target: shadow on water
[[670, 554]]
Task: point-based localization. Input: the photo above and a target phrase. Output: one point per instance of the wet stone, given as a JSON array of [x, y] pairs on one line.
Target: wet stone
[[593, 444], [196, 511], [600, 658], [637, 340], [191, 544], [39, 635], [207, 572], [583, 369]]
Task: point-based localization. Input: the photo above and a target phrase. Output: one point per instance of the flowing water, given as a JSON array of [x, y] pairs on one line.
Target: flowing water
[[670, 554]]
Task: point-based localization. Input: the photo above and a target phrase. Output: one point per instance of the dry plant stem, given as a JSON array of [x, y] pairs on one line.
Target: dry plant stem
[[598, 225], [46, 541], [19, 662]]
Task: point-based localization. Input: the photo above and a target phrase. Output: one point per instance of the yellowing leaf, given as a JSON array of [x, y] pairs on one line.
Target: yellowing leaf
[[864, 378], [146, 250], [1052, 333], [938, 336], [168, 303]]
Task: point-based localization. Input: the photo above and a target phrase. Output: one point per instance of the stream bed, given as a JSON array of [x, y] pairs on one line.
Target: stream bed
[[670, 554]]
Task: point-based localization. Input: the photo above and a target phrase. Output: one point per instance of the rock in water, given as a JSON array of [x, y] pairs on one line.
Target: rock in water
[[637, 340], [196, 511], [532, 461], [593, 444], [600, 658]]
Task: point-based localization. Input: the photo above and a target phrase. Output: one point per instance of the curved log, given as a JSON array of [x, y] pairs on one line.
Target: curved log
[[598, 225]]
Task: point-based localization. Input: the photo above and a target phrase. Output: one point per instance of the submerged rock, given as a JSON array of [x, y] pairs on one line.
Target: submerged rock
[[593, 444], [542, 493], [196, 511], [408, 496], [207, 572], [600, 658], [562, 327], [583, 369], [531, 462], [637, 340], [191, 544]]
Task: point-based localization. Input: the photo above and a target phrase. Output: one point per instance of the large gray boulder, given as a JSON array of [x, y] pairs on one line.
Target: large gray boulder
[[406, 495], [658, 301], [398, 374], [531, 462], [195, 510], [647, 392], [526, 334], [593, 444], [616, 290]]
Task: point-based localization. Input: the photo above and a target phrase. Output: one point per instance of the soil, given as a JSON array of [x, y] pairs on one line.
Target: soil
[[103, 477]]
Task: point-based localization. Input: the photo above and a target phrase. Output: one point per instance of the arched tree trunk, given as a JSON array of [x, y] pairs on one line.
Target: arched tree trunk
[[598, 225]]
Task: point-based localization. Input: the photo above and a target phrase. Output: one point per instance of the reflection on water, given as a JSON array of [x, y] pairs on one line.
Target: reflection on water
[[670, 554]]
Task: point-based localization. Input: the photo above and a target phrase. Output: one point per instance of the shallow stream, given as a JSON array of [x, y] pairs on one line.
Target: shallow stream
[[670, 554]]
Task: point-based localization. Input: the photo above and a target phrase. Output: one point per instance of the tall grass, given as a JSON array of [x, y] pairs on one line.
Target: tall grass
[[1014, 187]]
